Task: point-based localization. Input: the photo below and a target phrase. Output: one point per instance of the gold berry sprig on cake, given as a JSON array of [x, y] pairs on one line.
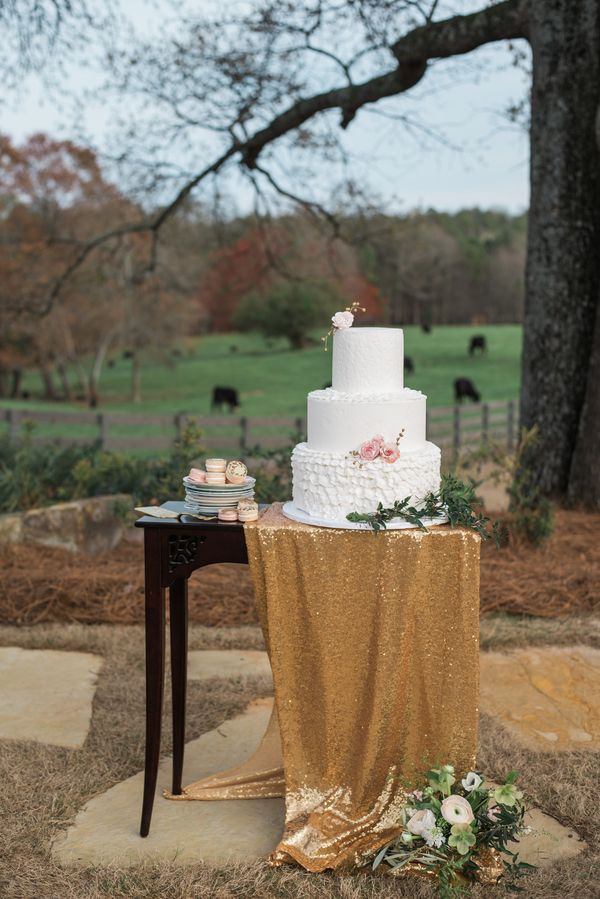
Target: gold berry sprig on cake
[[342, 320]]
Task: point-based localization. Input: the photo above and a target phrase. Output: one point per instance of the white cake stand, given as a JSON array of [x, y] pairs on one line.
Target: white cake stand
[[292, 511]]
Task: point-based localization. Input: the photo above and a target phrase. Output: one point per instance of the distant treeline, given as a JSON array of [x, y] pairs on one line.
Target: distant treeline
[[425, 267], [282, 275]]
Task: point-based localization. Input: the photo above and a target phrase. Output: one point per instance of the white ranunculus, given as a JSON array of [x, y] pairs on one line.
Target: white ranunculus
[[456, 810], [342, 320], [472, 781], [420, 821]]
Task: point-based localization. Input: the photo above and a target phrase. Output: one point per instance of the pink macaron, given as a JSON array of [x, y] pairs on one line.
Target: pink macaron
[[197, 475], [215, 477]]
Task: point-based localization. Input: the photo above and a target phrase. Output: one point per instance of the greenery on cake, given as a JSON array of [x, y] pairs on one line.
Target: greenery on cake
[[455, 500], [459, 832]]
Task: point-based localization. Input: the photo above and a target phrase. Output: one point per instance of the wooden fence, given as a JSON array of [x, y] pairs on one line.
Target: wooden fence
[[451, 427]]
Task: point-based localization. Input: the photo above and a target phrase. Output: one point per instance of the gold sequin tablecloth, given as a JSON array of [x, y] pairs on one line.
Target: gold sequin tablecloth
[[373, 641]]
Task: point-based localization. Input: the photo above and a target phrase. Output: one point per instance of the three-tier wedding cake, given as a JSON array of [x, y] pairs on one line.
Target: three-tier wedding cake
[[366, 440]]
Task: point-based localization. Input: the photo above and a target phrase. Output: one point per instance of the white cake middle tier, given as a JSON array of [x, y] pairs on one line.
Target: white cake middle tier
[[340, 422]]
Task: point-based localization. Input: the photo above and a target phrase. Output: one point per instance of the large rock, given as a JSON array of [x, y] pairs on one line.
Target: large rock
[[92, 525]]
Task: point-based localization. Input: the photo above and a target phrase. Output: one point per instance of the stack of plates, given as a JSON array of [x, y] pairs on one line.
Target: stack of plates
[[207, 499]]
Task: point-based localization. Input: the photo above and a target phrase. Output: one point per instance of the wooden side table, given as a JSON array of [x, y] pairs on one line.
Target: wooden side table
[[173, 549]]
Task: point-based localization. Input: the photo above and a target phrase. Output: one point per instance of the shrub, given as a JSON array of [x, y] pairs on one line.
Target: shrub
[[290, 309], [531, 514], [35, 475]]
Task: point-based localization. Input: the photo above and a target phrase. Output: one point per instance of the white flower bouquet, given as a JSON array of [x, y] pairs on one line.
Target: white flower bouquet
[[459, 833]]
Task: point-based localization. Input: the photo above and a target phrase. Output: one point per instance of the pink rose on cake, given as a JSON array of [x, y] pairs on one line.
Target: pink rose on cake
[[342, 320], [389, 452], [370, 449]]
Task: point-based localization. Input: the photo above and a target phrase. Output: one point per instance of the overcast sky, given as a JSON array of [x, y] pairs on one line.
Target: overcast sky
[[482, 160]]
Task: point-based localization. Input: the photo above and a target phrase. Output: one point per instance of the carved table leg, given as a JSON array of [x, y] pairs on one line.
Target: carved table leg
[[178, 604], [155, 668]]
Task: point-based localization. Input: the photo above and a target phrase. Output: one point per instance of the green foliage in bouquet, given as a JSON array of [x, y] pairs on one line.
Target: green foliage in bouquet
[[455, 498], [460, 832]]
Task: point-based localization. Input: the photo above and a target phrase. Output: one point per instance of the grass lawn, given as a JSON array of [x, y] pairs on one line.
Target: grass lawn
[[274, 381]]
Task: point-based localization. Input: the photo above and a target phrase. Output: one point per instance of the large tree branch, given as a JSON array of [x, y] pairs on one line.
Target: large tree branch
[[463, 34], [434, 40]]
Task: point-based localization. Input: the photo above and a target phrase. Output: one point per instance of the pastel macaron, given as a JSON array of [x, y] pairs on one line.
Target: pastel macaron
[[247, 510], [197, 475], [236, 472], [227, 515], [215, 477], [213, 465], [248, 515]]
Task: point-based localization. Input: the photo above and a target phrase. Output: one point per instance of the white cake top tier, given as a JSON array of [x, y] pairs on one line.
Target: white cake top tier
[[368, 360]]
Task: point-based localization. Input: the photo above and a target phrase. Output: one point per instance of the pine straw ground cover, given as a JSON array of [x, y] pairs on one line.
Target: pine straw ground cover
[[54, 585], [43, 786]]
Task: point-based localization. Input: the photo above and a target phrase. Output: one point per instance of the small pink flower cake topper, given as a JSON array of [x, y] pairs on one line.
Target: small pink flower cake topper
[[377, 448], [342, 320]]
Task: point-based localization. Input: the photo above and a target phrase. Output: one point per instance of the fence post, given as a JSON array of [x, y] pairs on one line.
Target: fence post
[[103, 430], [510, 422], [13, 418], [180, 425], [243, 433], [299, 426], [457, 431], [485, 420]]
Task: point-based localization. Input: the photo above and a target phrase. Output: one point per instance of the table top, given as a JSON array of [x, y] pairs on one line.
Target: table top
[[147, 521]]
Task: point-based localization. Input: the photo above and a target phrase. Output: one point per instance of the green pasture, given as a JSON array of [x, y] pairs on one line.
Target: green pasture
[[272, 380]]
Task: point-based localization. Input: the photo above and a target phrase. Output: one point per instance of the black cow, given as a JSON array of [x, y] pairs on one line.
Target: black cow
[[409, 365], [463, 388], [478, 342], [224, 396]]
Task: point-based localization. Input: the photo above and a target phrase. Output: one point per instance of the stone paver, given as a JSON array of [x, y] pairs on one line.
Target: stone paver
[[206, 663], [106, 830], [47, 694], [549, 698]]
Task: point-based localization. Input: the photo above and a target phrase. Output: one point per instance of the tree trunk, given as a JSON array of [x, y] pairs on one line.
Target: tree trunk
[[584, 481], [64, 380], [563, 266], [49, 392], [136, 378], [82, 379], [94, 379], [15, 386]]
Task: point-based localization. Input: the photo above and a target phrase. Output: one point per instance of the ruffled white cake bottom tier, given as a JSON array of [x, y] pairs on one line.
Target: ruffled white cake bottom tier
[[330, 485]]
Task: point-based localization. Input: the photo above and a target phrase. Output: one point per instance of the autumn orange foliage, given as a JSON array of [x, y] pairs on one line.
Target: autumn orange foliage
[[265, 255]]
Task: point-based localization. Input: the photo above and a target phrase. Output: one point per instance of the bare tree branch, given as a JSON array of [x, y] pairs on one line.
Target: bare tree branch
[[434, 40]]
